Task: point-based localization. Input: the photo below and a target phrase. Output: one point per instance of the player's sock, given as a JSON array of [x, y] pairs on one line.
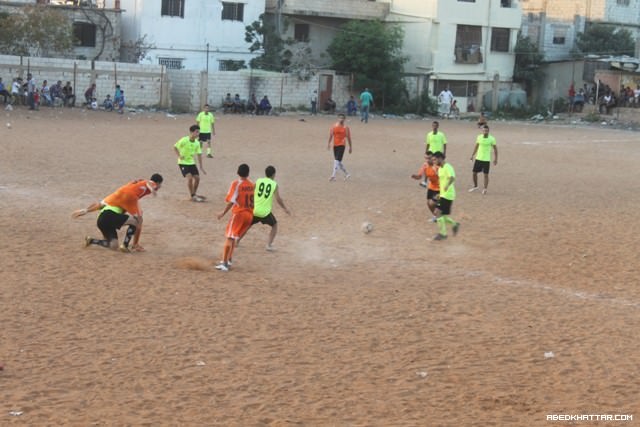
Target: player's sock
[[208, 150], [342, 168], [103, 243], [336, 165], [442, 225], [226, 251], [448, 219], [130, 232]]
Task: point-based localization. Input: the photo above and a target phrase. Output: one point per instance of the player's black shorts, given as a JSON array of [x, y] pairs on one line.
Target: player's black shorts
[[268, 220], [189, 169], [338, 152], [481, 166], [432, 194], [203, 137], [444, 205], [109, 222]]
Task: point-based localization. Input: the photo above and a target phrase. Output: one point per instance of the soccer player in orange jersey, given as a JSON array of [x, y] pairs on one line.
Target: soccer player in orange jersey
[[121, 208], [240, 201], [339, 133], [429, 171]]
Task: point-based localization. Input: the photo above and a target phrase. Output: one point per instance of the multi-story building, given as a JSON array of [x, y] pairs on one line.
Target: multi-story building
[[467, 45], [554, 24], [192, 34]]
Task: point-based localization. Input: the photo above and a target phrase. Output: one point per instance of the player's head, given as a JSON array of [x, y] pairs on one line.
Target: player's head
[[438, 157], [435, 124], [194, 130], [157, 178], [270, 171], [243, 170], [429, 157], [206, 107], [485, 130], [155, 183], [341, 117]]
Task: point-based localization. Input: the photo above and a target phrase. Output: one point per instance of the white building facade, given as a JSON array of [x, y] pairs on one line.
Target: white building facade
[[191, 34]]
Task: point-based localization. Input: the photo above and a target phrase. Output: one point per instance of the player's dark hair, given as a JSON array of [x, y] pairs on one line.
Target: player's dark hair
[[157, 178], [485, 127], [194, 128], [435, 122], [438, 155], [243, 170], [206, 105], [270, 171], [429, 153]]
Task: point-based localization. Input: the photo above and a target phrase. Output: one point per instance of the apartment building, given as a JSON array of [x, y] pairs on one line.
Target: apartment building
[[192, 34], [554, 24]]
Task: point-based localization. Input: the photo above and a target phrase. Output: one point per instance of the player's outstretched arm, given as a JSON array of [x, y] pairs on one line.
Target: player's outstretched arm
[[91, 208]]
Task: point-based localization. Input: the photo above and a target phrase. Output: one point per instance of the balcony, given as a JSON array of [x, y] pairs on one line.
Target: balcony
[[343, 9]]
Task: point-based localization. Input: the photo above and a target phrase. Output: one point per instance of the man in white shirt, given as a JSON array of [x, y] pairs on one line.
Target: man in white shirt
[[444, 99]]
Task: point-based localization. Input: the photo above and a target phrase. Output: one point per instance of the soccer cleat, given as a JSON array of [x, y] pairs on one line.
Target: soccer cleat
[[222, 266], [484, 192], [332, 178], [124, 249], [270, 248], [422, 184], [439, 237], [346, 178], [198, 199], [455, 228], [87, 241], [434, 219], [472, 189], [209, 155]]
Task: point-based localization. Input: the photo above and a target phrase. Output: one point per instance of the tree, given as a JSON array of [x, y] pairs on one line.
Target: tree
[[371, 51], [103, 25], [38, 31], [135, 51], [263, 36], [527, 64], [605, 39]]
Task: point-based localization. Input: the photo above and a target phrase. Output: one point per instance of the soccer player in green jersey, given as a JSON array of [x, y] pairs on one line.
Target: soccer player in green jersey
[[266, 190], [482, 152], [206, 120], [436, 140], [187, 148], [447, 178]]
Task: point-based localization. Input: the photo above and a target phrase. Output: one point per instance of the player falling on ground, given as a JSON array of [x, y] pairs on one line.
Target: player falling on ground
[[206, 121], [186, 148], [240, 201], [121, 208], [266, 190], [339, 133], [429, 173], [447, 178]]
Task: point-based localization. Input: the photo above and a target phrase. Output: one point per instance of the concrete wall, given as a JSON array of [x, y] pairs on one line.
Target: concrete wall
[[145, 85]]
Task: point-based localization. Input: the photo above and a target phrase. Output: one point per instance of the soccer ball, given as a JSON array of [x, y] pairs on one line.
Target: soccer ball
[[367, 227]]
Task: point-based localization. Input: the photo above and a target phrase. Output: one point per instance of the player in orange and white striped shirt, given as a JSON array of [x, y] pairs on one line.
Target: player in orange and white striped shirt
[[240, 201], [429, 171]]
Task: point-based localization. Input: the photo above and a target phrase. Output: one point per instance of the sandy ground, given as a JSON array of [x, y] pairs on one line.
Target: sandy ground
[[336, 328]]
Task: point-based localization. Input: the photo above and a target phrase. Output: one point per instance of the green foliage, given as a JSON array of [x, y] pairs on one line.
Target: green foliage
[[39, 31], [527, 63], [371, 51], [263, 36], [604, 39], [135, 51]]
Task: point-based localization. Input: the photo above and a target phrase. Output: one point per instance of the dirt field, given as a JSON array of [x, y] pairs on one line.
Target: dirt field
[[336, 328]]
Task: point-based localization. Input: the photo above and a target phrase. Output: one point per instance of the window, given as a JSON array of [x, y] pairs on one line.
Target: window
[[500, 39], [505, 3], [468, 1], [85, 34], [301, 33], [468, 43], [559, 35], [232, 11], [623, 2], [230, 65], [172, 8], [171, 63]]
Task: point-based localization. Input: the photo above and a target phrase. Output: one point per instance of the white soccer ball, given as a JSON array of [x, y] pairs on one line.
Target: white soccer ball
[[367, 227], [9, 125]]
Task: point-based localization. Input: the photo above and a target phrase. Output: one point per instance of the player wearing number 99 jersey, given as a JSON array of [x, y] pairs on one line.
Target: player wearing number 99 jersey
[[266, 189], [240, 201]]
